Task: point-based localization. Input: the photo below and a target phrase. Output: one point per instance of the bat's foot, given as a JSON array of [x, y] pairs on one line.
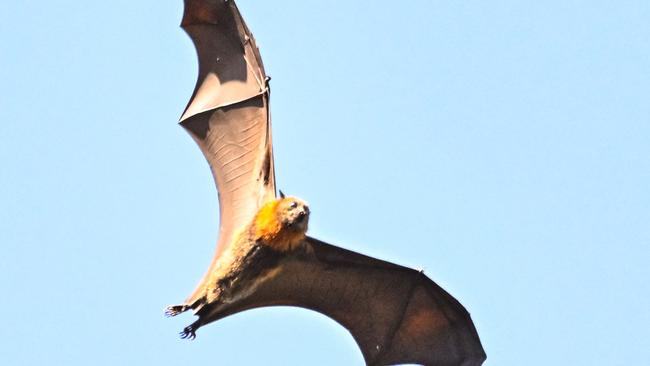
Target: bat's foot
[[174, 310], [189, 332]]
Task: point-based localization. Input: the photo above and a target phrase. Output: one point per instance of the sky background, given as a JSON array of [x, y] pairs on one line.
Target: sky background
[[502, 146]]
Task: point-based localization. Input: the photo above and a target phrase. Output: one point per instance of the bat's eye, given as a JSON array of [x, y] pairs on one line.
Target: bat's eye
[[293, 204]]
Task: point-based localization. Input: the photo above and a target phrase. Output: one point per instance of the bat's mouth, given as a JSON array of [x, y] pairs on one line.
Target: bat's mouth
[[302, 215]]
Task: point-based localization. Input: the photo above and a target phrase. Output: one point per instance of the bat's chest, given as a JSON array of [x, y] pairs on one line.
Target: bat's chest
[[256, 266], [252, 268]]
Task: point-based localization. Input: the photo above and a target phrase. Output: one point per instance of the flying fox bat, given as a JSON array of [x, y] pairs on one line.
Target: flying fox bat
[[263, 256]]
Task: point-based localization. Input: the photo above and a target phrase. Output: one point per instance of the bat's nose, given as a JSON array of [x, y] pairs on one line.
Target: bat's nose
[[303, 214]]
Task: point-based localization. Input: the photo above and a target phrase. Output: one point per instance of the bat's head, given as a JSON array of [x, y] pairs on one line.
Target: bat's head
[[292, 213], [282, 223]]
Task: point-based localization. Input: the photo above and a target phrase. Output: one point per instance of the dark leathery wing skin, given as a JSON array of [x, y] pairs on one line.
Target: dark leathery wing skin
[[230, 66], [228, 115], [396, 314]]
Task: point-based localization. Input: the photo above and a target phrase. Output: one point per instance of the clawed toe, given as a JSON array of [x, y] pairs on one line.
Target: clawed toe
[[174, 310], [188, 333]]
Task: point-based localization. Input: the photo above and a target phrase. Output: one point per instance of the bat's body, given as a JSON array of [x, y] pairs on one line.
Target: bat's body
[[264, 257], [275, 235]]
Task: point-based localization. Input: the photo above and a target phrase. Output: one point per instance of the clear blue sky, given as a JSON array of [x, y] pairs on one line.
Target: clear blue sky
[[502, 146]]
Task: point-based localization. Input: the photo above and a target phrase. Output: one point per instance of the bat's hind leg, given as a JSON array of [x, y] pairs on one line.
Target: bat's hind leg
[[173, 310], [189, 332]]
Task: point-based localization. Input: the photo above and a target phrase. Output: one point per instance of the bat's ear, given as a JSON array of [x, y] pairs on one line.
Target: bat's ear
[[281, 194]]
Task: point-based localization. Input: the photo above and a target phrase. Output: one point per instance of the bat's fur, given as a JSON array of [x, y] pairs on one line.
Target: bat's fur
[[278, 228]]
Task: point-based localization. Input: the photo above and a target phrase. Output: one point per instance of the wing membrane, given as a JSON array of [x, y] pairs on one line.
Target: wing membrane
[[396, 314], [228, 114]]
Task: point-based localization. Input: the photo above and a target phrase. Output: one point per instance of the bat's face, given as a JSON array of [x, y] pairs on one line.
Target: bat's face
[[293, 213]]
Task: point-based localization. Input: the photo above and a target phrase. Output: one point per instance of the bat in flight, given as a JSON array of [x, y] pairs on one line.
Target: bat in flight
[[264, 257]]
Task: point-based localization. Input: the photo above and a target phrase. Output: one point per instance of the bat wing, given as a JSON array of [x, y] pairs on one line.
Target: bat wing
[[396, 314], [228, 114]]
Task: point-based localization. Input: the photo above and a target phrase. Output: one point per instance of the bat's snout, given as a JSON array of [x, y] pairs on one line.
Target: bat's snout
[[303, 214]]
